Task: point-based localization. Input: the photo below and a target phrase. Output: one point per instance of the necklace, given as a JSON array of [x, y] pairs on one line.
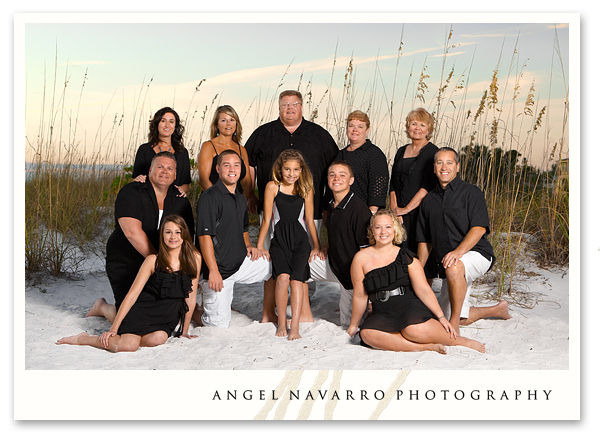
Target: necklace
[[169, 149]]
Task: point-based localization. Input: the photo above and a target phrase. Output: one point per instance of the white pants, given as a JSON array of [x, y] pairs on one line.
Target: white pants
[[217, 305], [320, 270], [476, 266]]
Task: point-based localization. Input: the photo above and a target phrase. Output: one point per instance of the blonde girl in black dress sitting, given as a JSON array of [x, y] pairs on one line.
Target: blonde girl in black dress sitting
[[161, 299], [406, 314]]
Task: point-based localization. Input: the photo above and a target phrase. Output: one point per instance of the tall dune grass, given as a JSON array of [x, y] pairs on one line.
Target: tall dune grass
[[528, 206]]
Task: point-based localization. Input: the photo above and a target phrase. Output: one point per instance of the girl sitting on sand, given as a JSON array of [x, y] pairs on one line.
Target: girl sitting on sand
[[288, 204], [406, 314], [161, 299]]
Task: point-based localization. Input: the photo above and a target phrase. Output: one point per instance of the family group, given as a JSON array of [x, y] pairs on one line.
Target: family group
[[387, 238]]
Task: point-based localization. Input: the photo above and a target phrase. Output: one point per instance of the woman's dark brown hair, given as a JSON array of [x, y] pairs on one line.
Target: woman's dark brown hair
[[176, 137], [187, 256]]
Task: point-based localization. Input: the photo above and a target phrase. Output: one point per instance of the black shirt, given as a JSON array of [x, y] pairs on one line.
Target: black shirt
[[409, 176], [371, 174], [314, 142], [223, 216], [447, 216], [143, 159], [347, 232], [138, 201]]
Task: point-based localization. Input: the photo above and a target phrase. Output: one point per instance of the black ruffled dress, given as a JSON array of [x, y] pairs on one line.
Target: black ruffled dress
[[400, 311], [160, 306]]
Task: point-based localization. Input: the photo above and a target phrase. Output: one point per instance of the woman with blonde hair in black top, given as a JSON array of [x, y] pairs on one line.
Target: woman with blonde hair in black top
[[226, 134], [406, 314]]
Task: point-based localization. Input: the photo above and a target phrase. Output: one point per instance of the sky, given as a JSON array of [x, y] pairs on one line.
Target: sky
[[120, 69], [582, 136]]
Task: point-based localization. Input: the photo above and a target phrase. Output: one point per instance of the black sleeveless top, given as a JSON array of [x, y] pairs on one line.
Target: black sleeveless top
[[214, 176]]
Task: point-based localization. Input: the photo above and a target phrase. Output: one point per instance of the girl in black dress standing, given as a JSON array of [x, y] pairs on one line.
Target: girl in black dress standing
[[406, 314], [161, 299], [289, 207]]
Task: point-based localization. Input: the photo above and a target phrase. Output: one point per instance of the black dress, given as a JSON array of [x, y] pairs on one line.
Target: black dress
[[289, 248], [145, 154], [160, 306], [400, 311], [409, 175]]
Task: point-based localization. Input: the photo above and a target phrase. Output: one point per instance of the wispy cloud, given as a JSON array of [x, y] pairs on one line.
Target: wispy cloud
[[448, 55], [559, 26]]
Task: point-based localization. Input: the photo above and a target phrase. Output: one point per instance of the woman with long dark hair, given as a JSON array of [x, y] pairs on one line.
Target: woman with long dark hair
[[165, 134]]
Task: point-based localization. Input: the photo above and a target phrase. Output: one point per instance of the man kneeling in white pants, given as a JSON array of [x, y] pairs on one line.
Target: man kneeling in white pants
[[227, 256], [347, 221]]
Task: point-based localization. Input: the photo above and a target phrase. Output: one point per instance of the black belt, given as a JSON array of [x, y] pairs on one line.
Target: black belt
[[383, 296]]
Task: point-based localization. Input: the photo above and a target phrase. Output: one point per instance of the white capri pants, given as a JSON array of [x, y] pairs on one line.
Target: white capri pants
[[217, 305], [476, 265], [320, 270]]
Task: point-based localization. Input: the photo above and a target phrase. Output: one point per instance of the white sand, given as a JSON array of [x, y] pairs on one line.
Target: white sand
[[534, 339]]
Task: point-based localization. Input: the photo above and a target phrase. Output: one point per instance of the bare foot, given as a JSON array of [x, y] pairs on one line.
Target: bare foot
[[473, 344], [502, 310], [74, 339], [281, 331], [439, 348], [294, 335], [96, 310], [269, 317]]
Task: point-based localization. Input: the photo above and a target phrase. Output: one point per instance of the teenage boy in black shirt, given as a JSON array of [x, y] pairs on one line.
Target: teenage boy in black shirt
[[347, 221]]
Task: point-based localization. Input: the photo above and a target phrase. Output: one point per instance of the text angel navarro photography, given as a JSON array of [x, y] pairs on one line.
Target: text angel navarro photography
[[378, 395]]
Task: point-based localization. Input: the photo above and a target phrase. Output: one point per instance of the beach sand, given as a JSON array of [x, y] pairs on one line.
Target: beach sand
[[535, 338]]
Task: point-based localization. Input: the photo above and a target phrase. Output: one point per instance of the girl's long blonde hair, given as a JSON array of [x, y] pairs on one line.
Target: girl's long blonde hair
[[304, 184]]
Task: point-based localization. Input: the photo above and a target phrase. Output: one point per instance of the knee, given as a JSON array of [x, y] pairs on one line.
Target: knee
[[369, 336], [153, 340], [413, 332], [128, 346], [456, 272]]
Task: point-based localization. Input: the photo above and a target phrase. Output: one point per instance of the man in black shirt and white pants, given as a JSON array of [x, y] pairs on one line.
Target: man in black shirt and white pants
[[453, 224], [227, 256]]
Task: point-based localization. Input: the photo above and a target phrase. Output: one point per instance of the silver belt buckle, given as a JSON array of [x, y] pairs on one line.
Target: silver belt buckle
[[387, 296]]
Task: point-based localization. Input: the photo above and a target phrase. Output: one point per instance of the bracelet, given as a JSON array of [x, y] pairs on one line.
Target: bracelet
[[440, 317]]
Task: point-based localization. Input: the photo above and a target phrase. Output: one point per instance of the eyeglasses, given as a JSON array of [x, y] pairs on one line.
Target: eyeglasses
[[290, 104]]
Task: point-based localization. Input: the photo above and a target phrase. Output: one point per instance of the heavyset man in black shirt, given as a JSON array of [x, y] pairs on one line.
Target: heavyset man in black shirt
[[454, 221], [139, 209], [291, 131]]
